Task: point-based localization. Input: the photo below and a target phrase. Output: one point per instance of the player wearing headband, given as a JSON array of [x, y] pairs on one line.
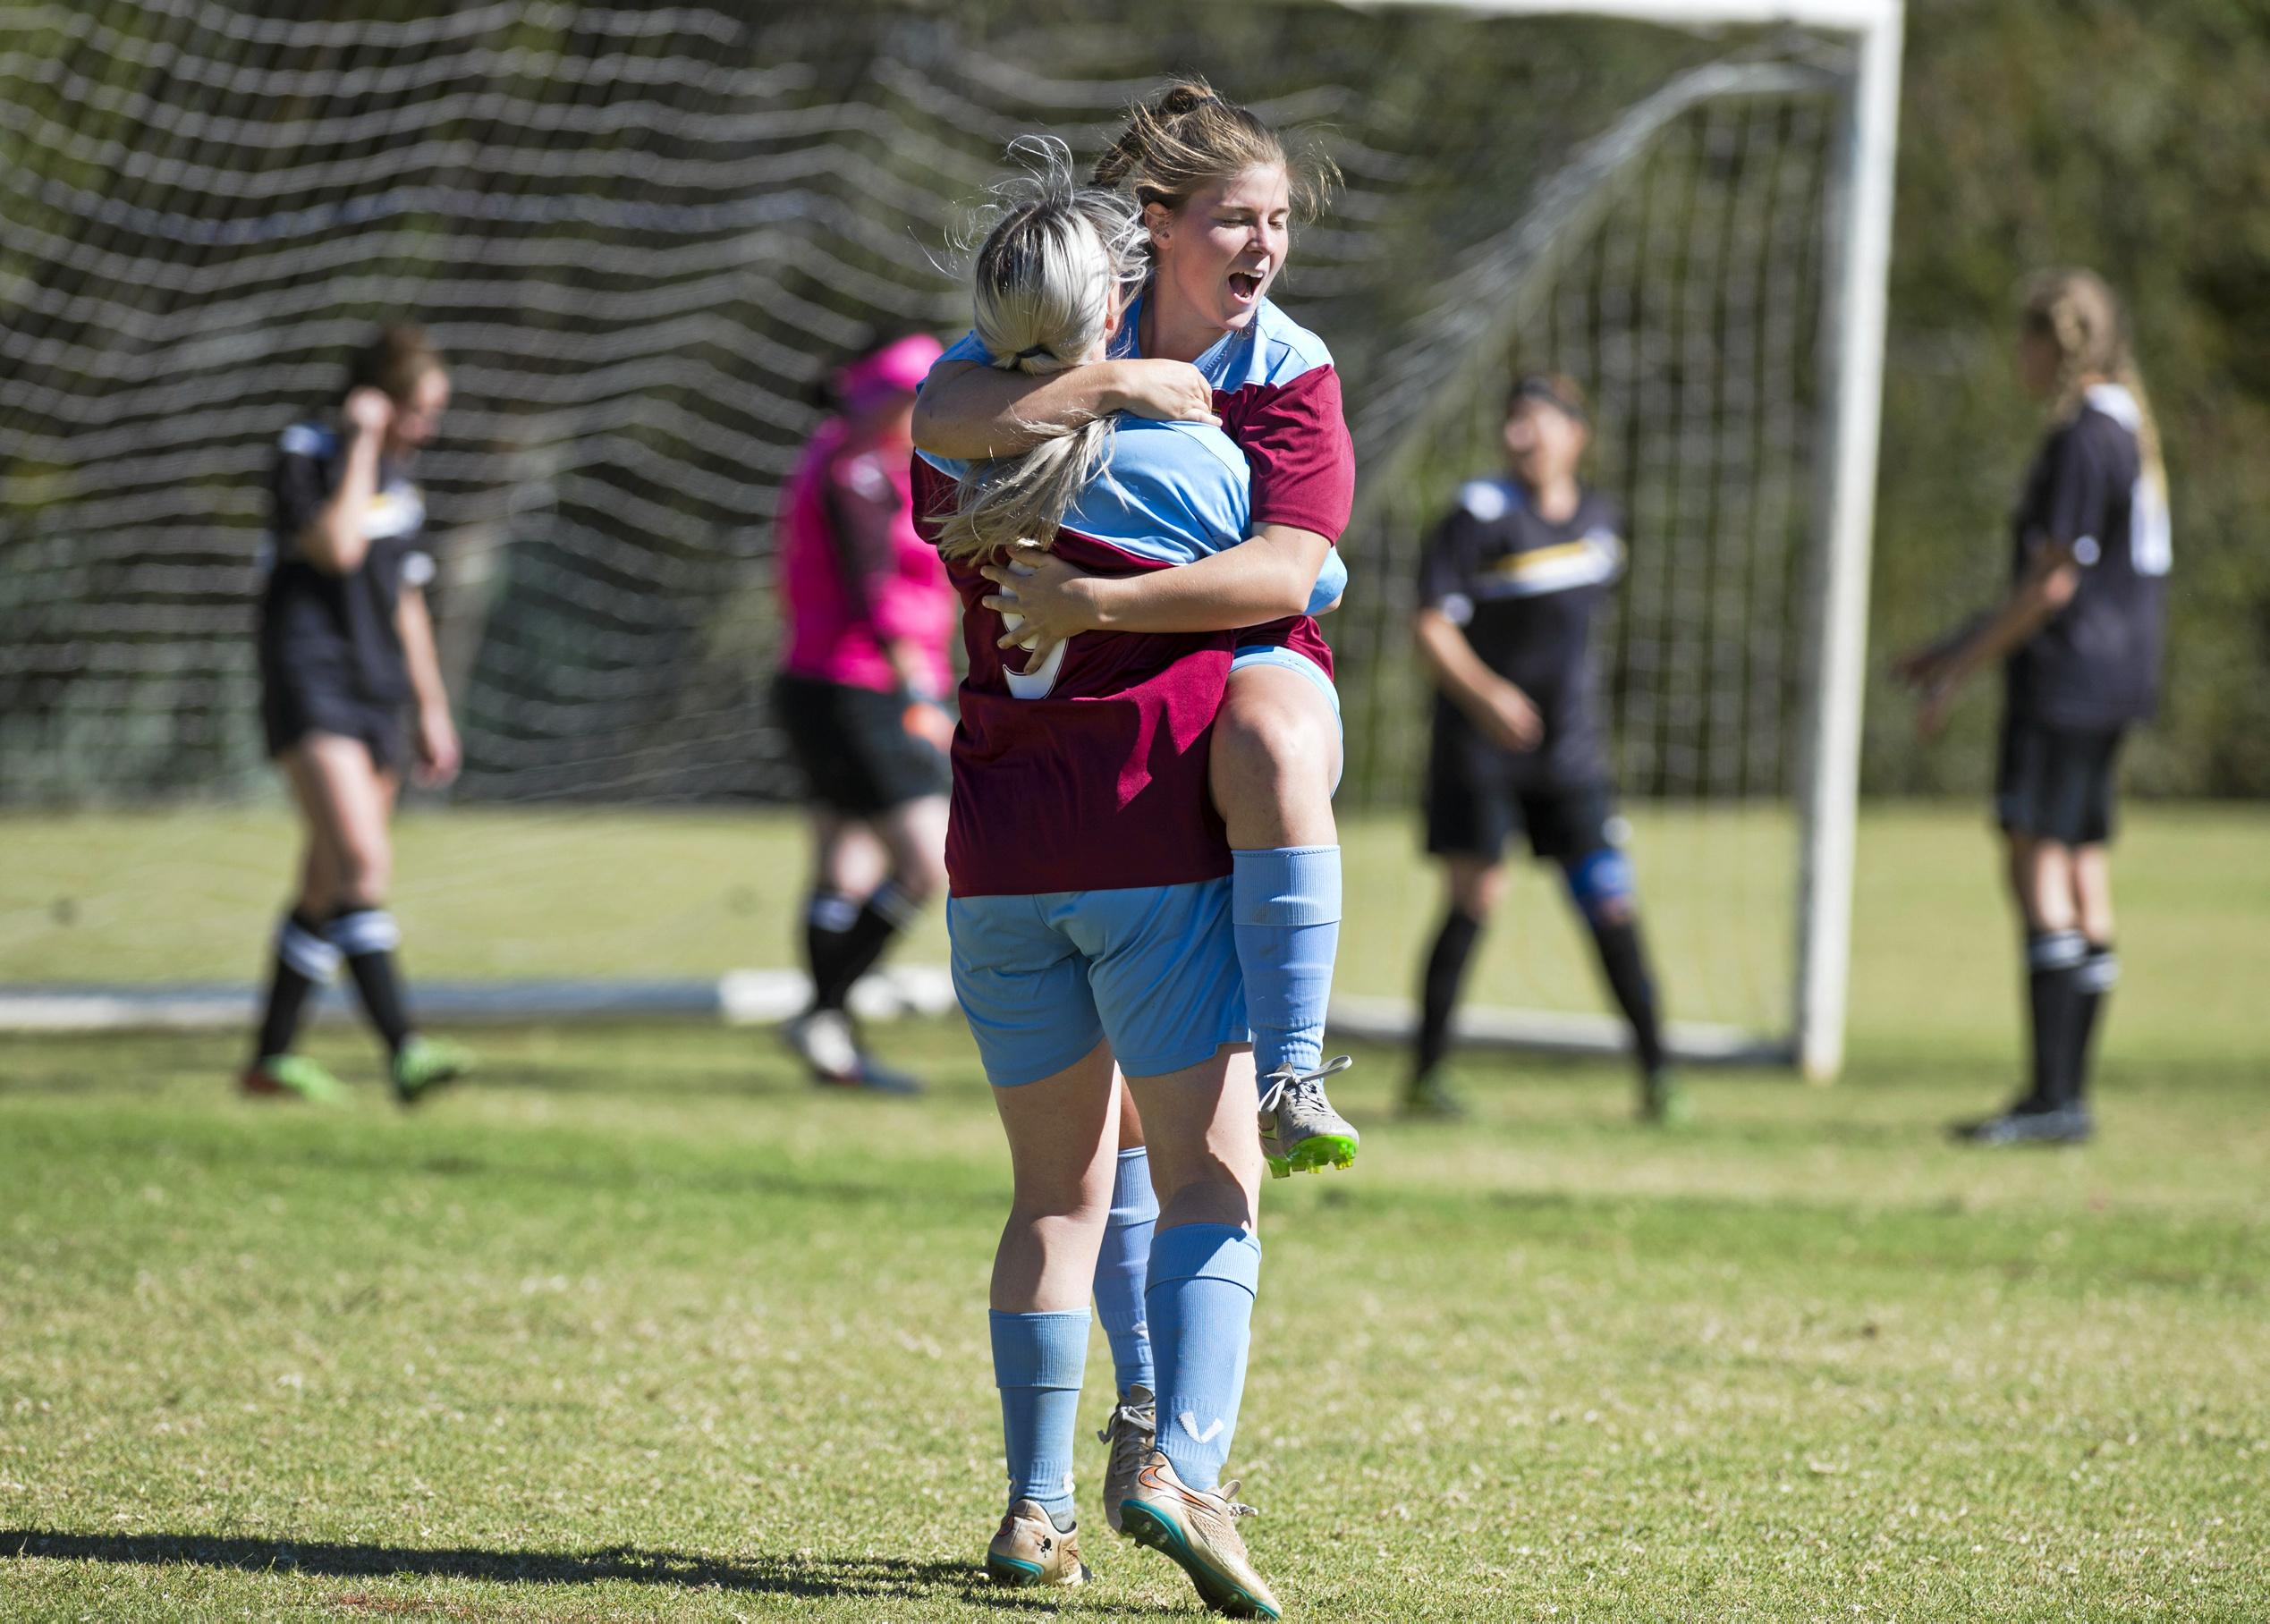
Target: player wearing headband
[[1508, 589]]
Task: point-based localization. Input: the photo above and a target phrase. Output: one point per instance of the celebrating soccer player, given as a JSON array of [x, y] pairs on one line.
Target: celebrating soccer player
[[1092, 909], [1203, 343], [869, 614], [2080, 636], [1508, 590], [345, 643]]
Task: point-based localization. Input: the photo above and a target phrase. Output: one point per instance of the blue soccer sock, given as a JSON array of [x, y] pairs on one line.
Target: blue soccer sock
[[1202, 1280], [1120, 1269], [1284, 909], [1037, 1363]]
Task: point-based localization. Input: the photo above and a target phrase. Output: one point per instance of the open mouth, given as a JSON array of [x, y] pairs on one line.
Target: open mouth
[[1245, 286]]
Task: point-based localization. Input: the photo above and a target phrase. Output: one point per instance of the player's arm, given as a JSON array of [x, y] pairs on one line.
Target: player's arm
[[438, 753], [862, 509], [334, 540], [1502, 711], [2079, 485], [970, 411], [1938, 673], [1270, 575]]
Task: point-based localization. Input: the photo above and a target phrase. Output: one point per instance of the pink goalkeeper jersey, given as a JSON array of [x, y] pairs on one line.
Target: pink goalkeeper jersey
[[854, 575]]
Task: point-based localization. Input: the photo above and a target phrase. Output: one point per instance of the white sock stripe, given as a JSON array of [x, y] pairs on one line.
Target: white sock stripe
[[894, 905], [2101, 972], [2059, 950], [306, 952], [370, 930], [831, 911]]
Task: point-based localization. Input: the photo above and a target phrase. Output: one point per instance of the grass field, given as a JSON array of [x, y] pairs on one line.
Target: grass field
[[638, 1326]]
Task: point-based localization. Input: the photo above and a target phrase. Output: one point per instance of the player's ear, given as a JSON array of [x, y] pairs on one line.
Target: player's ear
[[1159, 221]]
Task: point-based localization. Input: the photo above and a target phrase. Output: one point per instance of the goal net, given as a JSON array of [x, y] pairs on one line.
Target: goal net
[[643, 235]]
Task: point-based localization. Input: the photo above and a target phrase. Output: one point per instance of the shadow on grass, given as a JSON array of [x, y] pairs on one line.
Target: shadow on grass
[[882, 1577]]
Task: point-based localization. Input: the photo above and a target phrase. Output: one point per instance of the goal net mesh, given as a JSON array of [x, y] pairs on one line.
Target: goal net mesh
[[643, 235]]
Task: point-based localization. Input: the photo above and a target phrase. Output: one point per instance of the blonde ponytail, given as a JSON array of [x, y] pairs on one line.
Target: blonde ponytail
[[2076, 312], [1043, 285]]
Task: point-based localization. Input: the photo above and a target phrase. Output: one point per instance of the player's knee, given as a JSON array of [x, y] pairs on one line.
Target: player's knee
[[920, 877], [1600, 884], [1270, 748], [362, 877]]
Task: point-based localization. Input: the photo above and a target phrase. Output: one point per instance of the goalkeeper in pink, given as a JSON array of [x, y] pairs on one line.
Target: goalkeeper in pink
[[869, 613]]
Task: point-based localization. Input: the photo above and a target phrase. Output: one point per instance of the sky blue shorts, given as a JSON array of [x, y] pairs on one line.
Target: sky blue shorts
[[1276, 654], [1043, 979]]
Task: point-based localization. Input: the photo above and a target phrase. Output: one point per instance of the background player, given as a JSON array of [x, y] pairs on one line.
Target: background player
[[2079, 634], [1218, 191], [870, 614], [345, 642], [1509, 587], [1091, 913]]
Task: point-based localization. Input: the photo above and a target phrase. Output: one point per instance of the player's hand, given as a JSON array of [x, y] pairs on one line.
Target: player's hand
[[930, 723], [1512, 722], [1919, 668], [439, 755], [1168, 391], [1938, 703], [369, 411], [1045, 598]]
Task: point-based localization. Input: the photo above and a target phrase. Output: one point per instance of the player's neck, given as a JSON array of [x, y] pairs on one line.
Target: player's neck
[[1163, 338], [1555, 501]]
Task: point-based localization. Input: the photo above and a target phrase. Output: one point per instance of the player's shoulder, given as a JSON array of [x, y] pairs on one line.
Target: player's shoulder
[[1488, 501], [1274, 351], [1597, 513], [1186, 444], [307, 439]]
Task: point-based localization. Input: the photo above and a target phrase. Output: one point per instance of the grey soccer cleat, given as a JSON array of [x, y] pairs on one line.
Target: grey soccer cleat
[[1132, 1433], [1300, 1129], [2058, 1125]]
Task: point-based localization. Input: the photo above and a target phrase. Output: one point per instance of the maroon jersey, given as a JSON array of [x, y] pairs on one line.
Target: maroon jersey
[[1089, 771]]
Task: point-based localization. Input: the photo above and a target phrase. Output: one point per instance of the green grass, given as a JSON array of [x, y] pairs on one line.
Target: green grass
[[638, 1326]]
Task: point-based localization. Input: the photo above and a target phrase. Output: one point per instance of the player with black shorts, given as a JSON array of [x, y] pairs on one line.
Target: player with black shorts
[[870, 615], [1508, 590], [2079, 635], [346, 646]]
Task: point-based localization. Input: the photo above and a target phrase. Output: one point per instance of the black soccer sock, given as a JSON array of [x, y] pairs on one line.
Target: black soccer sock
[[304, 961], [2099, 972], [1438, 996], [828, 919], [2053, 992], [882, 917], [368, 937], [1624, 957]]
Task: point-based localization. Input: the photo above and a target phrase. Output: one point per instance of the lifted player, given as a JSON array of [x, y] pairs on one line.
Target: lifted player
[[1508, 590], [345, 644]]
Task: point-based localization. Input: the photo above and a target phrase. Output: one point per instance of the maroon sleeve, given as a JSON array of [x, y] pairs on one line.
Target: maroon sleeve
[[934, 498], [1296, 443]]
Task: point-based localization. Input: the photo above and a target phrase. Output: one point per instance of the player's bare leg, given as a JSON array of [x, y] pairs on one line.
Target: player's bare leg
[[1064, 1134]]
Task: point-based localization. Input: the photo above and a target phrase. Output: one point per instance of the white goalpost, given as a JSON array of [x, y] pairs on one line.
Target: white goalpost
[[643, 235], [1857, 234]]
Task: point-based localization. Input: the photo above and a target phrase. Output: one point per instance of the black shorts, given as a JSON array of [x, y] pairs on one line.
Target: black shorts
[[1470, 814], [854, 747], [291, 708], [2057, 783]]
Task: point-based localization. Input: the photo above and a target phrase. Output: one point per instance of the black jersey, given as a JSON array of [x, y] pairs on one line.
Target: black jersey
[[338, 631], [2098, 663], [1525, 591]]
